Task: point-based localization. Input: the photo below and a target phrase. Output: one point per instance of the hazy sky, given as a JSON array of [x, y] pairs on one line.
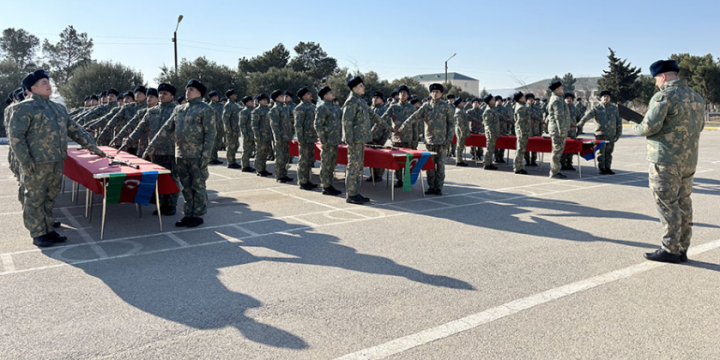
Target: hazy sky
[[499, 43]]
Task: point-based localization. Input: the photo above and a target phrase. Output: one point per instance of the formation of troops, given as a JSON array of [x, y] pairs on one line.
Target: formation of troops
[[184, 134]]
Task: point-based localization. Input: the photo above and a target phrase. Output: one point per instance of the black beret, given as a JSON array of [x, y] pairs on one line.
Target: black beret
[[436, 86], [414, 101], [260, 97], [352, 83], [569, 95], [663, 66], [140, 88], [578, 99], [113, 91], [180, 99], [517, 96], [151, 91], [87, 98], [94, 97], [529, 96], [376, 94], [33, 77], [287, 93], [197, 85], [245, 99], [223, 99], [554, 85], [322, 92], [104, 93], [402, 88], [475, 99], [604, 92], [458, 101], [121, 96], [303, 91], [230, 93], [498, 97], [450, 96], [275, 94], [213, 93], [488, 98], [394, 94], [167, 87]]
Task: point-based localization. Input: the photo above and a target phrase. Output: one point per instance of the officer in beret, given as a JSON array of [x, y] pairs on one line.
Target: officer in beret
[[260, 122], [231, 124], [558, 119], [192, 126], [672, 125], [522, 131], [304, 115], [246, 131], [608, 128], [37, 132], [462, 130], [328, 124]]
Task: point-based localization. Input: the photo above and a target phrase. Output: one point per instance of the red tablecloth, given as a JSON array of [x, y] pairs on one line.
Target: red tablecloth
[[535, 144], [374, 158], [81, 165]]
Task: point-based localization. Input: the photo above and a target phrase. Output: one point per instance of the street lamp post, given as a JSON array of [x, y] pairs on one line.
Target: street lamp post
[[175, 41], [446, 61]]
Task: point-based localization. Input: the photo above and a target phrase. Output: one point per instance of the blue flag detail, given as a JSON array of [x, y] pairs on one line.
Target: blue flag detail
[[146, 189]]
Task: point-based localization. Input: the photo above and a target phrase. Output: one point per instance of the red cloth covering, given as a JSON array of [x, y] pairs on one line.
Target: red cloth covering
[[81, 165], [374, 158], [535, 144]]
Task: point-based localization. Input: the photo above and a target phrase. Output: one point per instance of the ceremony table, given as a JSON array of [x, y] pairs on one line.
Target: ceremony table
[[117, 183], [377, 158]]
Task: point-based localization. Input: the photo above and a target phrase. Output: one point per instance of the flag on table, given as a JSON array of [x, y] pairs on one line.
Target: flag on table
[[413, 164], [138, 189], [589, 148]]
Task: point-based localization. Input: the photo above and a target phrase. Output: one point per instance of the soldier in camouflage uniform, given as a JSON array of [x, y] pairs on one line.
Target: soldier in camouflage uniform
[[260, 122], [282, 130], [566, 161], [37, 133], [15, 98], [522, 131], [475, 120], [395, 115], [491, 123], [462, 129], [505, 119], [439, 118], [231, 124], [379, 135], [126, 113], [536, 125], [356, 125], [581, 108], [608, 128], [246, 131], [217, 106], [672, 124], [100, 110], [328, 124], [192, 126], [558, 120], [451, 101], [152, 98], [304, 115]]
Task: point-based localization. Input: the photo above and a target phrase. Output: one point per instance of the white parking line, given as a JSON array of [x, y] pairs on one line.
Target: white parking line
[[7, 262], [83, 234], [178, 240]]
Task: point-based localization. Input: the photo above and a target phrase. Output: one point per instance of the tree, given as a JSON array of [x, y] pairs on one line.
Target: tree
[[282, 79], [277, 57], [72, 51], [313, 60], [452, 90], [416, 88], [702, 74], [96, 77], [212, 75], [338, 83], [19, 46], [646, 90], [568, 82], [620, 79], [484, 93]]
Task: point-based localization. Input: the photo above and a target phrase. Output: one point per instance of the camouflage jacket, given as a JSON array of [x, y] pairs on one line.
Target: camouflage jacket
[[491, 121], [607, 118], [397, 113], [462, 124], [475, 119], [38, 131], [439, 119], [380, 135], [356, 119], [121, 118], [230, 117], [246, 128], [218, 107], [522, 119], [150, 125], [280, 123], [672, 124], [101, 121], [305, 122], [261, 123], [130, 126], [99, 111], [193, 126], [328, 122], [582, 108], [558, 117]]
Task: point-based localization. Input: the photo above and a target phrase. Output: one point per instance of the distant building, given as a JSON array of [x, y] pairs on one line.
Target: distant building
[[460, 81], [585, 87]]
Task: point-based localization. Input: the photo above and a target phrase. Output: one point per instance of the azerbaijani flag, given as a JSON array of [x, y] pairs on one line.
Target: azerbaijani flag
[[413, 164], [589, 149], [138, 189]]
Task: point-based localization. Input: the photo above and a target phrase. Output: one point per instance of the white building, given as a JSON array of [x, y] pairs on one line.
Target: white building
[[460, 81]]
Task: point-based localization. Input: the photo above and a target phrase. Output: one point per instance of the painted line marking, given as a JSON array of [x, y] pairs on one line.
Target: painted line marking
[[89, 240], [306, 222], [7, 262], [177, 239], [220, 175], [247, 231], [304, 199]]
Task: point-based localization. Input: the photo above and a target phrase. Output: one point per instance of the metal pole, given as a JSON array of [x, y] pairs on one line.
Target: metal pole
[[175, 43], [157, 203], [446, 72], [102, 225]]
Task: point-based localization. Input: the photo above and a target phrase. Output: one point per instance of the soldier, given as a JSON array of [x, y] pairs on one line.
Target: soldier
[[608, 127], [260, 122], [522, 131], [306, 136], [558, 120], [224, 101], [246, 131], [395, 115], [581, 109], [37, 133], [192, 126], [153, 120], [462, 130], [152, 98], [379, 135], [126, 113], [505, 120], [215, 104], [181, 100], [672, 124], [451, 101], [474, 116], [356, 128], [282, 130], [491, 123], [231, 124], [328, 124], [566, 160], [394, 95], [439, 121], [110, 96], [536, 124]]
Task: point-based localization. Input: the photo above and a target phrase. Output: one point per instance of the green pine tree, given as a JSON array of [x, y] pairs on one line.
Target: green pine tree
[[621, 80]]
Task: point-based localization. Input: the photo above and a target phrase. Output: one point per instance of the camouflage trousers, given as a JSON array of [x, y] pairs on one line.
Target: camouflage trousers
[[489, 154], [354, 168], [672, 186], [415, 143], [247, 151], [282, 158], [305, 164], [233, 143], [328, 160], [604, 158], [263, 150], [460, 151], [521, 145], [168, 162], [558, 147], [192, 176], [219, 142], [42, 186], [567, 159], [436, 177]]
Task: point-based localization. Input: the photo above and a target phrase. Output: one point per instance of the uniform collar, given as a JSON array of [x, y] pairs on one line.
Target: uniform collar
[[676, 82]]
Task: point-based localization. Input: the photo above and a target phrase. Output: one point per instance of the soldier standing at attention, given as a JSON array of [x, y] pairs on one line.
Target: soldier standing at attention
[[192, 126], [439, 118], [37, 132], [260, 122], [395, 115], [536, 120], [491, 123], [558, 120], [581, 109], [217, 106], [522, 131], [246, 131], [476, 126], [282, 130], [306, 136], [462, 130], [379, 135], [608, 127], [566, 161], [356, 128], [231, 124], [328, 124]]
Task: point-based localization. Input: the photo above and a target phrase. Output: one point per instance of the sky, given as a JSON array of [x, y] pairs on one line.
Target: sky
[[501, 44]]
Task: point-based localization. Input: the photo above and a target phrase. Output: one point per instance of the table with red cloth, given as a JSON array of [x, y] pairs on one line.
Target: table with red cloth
[[93, 172], [375, 158]]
